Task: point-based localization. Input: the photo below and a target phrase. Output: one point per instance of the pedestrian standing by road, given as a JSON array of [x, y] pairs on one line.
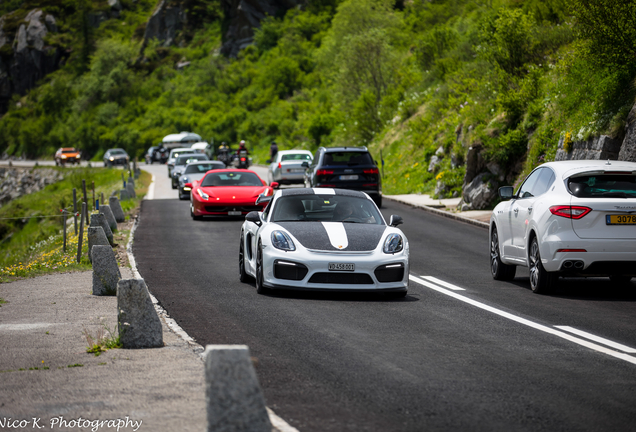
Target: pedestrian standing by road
[[273, 151]]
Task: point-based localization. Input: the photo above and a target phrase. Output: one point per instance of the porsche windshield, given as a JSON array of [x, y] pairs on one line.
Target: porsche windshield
[[231, 179], [326, 208]]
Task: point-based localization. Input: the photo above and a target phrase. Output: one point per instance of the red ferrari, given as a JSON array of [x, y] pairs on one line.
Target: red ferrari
[[228, 192]]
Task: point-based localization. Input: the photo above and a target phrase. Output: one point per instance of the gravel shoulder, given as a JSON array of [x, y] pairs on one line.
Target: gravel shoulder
[[42, 326]]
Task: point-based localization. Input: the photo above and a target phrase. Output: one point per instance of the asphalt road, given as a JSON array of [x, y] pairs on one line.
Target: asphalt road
[[461, 352]]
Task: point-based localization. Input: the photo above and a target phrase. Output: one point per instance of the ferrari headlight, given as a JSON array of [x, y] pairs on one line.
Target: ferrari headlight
[[280, 240], [393, 244], [203, 194]]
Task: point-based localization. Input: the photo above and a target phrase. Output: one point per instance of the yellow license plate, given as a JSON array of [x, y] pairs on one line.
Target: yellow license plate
[[620, 219]]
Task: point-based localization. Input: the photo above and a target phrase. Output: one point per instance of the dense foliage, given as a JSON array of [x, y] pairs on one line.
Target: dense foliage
[[408, 79]]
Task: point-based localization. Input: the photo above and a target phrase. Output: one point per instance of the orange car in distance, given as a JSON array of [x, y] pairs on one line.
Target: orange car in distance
[[66, 155]]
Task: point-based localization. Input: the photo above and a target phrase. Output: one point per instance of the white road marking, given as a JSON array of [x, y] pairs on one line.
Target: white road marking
[[337, 234], [151, 189], [443, 283], [598, 339], [549, 330]]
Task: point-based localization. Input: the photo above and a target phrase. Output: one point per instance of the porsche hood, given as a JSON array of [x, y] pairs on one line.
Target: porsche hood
[[336, 236]]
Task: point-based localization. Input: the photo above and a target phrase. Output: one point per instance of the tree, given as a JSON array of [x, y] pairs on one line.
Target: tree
[[610, 28]]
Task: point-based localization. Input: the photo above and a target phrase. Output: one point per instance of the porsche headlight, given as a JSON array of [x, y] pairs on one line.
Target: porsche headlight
[[393, 244], [203, 194], [280, 240]]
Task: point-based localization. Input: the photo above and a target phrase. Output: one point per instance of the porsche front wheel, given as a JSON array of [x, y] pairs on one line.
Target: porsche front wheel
[[259, 270], [243, 277]]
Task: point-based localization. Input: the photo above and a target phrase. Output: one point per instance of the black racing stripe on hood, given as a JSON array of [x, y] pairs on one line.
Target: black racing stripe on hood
[[311, 235], [363, 237], [296, 191]]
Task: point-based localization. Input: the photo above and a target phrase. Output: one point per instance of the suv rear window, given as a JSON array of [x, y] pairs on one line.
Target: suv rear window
[[603, 186], [348, 158]]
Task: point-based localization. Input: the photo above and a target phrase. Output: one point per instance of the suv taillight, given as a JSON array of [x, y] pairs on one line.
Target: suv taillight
[[324, 172], [570, 212], [371, 171]]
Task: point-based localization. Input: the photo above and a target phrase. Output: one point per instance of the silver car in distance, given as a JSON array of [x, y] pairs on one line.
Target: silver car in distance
[[324, 239], [568, 218]]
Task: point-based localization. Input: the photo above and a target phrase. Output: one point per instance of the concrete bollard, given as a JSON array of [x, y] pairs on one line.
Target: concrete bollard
[[98, 219], [96, 236], [106, 272], [130, 181], [110, 217], [115, 206], [124, 195], [139, 324], [131, 190], [233, 395]]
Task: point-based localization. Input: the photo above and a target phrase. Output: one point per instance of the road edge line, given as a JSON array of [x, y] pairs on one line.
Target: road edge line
[[197, 348]]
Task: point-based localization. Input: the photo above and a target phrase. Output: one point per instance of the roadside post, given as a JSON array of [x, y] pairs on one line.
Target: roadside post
[[84, 190], [81, 233], [75, 209], [64, 230], [93, 187]]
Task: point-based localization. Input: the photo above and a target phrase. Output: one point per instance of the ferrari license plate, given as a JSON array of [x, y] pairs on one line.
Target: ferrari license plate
[[349, 177], [234, 213], [620, 219], [342, 267]]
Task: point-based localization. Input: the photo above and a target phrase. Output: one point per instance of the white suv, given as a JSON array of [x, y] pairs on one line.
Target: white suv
[[570, 218]]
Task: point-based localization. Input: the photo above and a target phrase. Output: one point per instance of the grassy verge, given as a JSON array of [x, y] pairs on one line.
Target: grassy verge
[[33, 244]]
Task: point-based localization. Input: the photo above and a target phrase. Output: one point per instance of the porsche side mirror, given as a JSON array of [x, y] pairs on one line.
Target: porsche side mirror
[[305, 164], [395, 220], [505, 192], [188, 185], [274, 185], [254, 217], [262, 198]]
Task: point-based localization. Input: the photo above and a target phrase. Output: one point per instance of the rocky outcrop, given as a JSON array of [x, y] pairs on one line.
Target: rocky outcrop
[[598, 148], [29, 58], [167, 19], [244, 16], [16, 182], [480, 193], [628, 148]]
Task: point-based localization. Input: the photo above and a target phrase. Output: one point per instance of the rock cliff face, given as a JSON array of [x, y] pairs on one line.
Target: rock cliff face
[[597, 148], [244, 16], [628, 149], [166, 20], [25, 56], [15, 182]]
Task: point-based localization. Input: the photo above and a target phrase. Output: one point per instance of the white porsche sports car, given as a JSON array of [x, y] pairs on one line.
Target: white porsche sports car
[[568, 218], [324, 239]]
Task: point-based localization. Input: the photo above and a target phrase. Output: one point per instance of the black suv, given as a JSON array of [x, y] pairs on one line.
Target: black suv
[[345, 168]]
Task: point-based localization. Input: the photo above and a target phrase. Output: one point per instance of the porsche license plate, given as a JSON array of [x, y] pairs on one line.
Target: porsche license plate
[[234, 213], [349, 177], [342, 267], [620, 219]]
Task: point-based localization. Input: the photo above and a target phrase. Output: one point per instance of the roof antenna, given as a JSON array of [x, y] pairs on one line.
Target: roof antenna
[[608, 162]]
